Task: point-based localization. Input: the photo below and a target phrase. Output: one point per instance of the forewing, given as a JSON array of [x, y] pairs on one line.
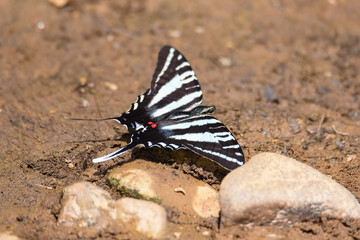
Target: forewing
[[174, 86], [206, 136]]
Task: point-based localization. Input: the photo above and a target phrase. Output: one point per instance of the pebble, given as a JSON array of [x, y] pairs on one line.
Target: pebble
[[350, 157], [274, 189], [177, 235], [270, 94], [225, 61], [85, 103], [199, 30], [40, 25], [174, 33], [111, 86], [294, 126], [59, 3], [88, 205], [7, 236], [147, 217]]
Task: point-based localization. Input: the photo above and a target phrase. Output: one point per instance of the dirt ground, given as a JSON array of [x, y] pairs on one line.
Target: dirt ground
[[283, 75]]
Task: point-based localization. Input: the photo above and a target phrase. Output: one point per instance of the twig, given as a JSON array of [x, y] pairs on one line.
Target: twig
[[321, 122], [47, 187], [338, 132]]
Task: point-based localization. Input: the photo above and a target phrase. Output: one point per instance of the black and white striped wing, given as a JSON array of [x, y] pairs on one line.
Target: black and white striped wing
[[174, 85], [206, 136], [174, 88]]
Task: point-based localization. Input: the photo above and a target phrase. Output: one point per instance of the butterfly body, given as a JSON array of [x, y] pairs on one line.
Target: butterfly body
[[170, 115]]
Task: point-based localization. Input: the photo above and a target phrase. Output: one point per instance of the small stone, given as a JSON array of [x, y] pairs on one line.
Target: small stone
[[350, 157], [41, 25], [225, 61], [59, 3], [174, 33], [294, 126], [274, 189], [85, 204], [111, 86], [85, 103], [270, 94], [333, 2], [6, 236], [146, 217], [177, 235], [132, 180], [199, 30], [206, 234], [71, 166], [205, 202]]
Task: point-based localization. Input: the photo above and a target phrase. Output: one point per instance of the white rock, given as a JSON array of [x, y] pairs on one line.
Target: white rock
[[225, 61], [88, 205], [59, 3], [275, 189], [147, 217], [85, 204], [174, 33], [6, 236], [134, 180], [205, 202]]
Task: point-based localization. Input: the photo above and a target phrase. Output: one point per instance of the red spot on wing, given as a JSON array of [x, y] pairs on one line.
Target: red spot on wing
[[153, 125]]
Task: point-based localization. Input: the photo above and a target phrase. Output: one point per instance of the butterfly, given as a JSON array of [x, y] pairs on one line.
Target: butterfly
[[170, 115]]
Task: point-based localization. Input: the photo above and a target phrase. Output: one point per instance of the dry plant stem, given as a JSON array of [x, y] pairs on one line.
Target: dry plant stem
[[339, 132]]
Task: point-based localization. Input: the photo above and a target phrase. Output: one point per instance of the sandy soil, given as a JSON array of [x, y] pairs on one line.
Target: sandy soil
[[284, 76]]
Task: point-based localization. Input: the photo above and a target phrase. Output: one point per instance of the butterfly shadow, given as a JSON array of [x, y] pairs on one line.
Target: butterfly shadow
[[185, 160]]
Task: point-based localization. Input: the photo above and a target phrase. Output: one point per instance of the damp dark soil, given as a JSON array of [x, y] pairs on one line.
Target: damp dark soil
[[283, 75]]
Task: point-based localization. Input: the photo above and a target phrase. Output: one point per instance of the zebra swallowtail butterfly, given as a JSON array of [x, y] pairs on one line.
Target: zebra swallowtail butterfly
[[170, 115]]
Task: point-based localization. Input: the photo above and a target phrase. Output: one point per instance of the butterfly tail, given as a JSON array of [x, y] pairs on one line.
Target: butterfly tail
[[110, 156]]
